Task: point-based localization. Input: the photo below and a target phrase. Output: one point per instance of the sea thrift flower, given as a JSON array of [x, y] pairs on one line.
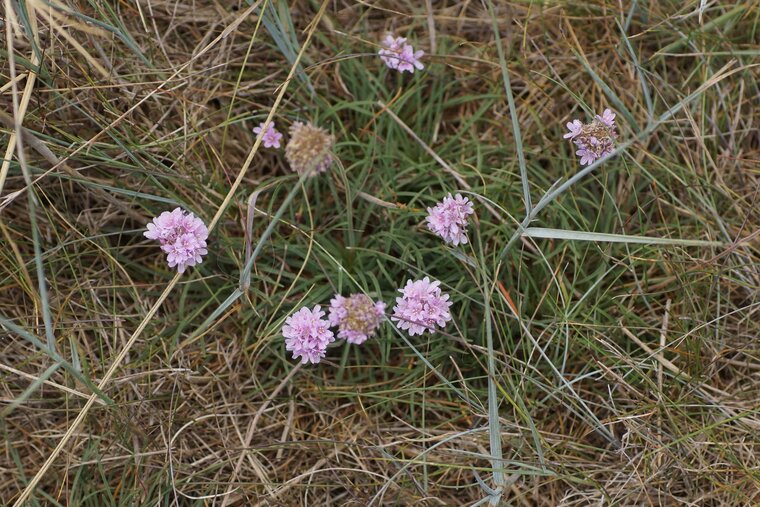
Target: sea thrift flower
[[421, 307], [399, 55], [271, 137], [356, 316], [307, 335], [182, 236], [448, 219], [309, 148], [391, 48], [594, 140]]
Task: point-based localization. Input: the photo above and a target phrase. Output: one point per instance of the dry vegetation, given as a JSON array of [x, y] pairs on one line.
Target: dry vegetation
[[627, 373]]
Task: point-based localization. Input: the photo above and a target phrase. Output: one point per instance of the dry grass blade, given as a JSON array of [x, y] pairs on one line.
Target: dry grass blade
[[26, 96]]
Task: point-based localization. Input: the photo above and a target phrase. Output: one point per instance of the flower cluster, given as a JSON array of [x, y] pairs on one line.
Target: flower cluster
[[309, 148], [448, 219], [271, 137], [307, 334], [422, 307], [182, 236], [399, 55], [595, 139], [356, 316]]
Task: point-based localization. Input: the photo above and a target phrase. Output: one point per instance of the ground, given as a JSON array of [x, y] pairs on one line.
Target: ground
[[607, 347]]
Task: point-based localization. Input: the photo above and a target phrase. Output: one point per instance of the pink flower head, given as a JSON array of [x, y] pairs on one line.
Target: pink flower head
[[391, 48], [595, 139], [448, 219], [399, 55], [182, 236], [356, 316], [307, 335], [422, 307], [271, 137]]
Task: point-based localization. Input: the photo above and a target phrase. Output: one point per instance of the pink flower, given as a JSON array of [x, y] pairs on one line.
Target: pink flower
[[448, 219], [422, 307], [399, 55], [357, 317], [595, 139], [164, 226], [392, 47], [307, 335], [574, 127], [271, 137], [587, 156], [182, 236], [607, 117], [409, 59], [185, 251]]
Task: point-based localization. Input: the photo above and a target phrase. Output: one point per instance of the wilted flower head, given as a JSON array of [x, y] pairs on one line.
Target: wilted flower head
[[421, 307], [307, 334], [182, 236], [271, 137], [399, 55], [595, 139], [356, 316], [309, 148], [448, 219]]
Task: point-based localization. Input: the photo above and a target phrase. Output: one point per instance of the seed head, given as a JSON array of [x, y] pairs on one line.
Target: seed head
[[356, 316], [309, 148]]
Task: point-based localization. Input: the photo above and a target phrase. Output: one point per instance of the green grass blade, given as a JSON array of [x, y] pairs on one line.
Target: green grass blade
[[601, 237], [284, 38], [512, 111]]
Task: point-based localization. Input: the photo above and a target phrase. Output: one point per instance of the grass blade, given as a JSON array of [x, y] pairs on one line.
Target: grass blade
[[512, 112], [601, 237], [284, 38]]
